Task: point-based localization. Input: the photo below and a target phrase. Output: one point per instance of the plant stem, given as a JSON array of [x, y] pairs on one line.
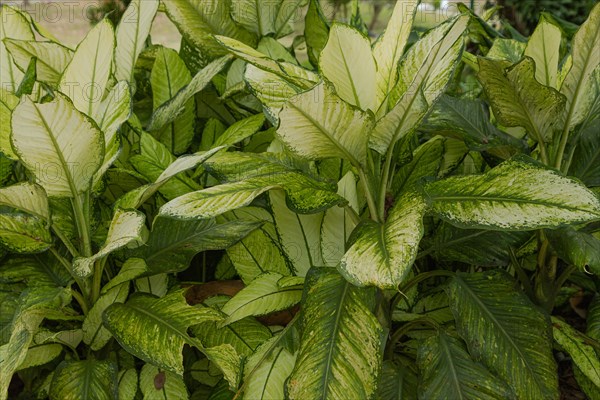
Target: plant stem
[[369, 193], [355, 218], [389, 348], [82, 224], [97, 279], [81, 300], [384, 178], [63, 238]]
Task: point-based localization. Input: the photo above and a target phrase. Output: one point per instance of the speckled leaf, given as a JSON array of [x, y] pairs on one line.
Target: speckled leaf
[[58, 144], [262, 296], [94, 334], [75, 380], [426, 162], [86, 77], [578, 248], [318, 124], [8, 102], [448, 372], [582, 353], [132, 268], [27, 197], [519, 194], [131, 35], [518, 99], [354, 81], [52, 58], [267, 381], [24, 233], [490, 315], [228, 361], [168, 319], [241, 130], [383, 254], [340, 347], [156, 384], [544, 48]]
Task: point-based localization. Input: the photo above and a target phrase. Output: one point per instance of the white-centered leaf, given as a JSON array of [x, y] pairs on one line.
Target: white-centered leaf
[[13, 25], [389, 48], [544, 48], [58, 144], [582, 353], [518, 99], [125, 228], [585, 59], [423, 75], [448, 371], [131, 36], [86, 78], [318, 124], [168, 318], [26, 197], [340, 346], [495, 336], [85, 380], [8, 102], [262, 296], [52, 58], [383, 254], [169, 75], [268, 18], [94, 333], [519, 194], [354, 80]]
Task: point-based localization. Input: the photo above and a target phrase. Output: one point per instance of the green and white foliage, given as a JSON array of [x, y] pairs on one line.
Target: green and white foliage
[[239, 219]]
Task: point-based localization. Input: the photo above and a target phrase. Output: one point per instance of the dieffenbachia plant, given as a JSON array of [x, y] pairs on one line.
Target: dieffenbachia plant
[[422, 227]]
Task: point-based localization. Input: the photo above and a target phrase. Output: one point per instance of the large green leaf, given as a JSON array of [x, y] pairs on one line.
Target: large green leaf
[[94, 334], [518, 99], [173, 243], [169, 75], [354, 81], [199, 20], [586, 59], [424, 73], [490, 315], [576, 247], [265, 19], [316, 31], [544, 48], [582, 353], [340, 347], [168, 319], [448, 372], [24, 233], [586, 159], [318, 124], [128, 384], [267, 293], [426, 162], [86, 77], [131, 36], [170, 110], [40, 270], [593, 319], [126, 228], [59, 145], [161, 385], [13, 25], [87, 379], [383, 254], [52, 58], [389, 48], [397, 382], [519, 194]]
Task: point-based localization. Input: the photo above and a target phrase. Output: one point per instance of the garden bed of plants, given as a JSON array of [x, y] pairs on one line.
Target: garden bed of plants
[[332, 216]]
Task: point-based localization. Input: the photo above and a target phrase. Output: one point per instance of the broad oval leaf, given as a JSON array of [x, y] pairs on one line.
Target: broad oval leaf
[[168, 319], [318, 124], [8, 102], [266, 376], [128, 384], [94, 333], [340, 347], [491, 315], [26, 197], [268, 18], [86, 77], [52, 58], [59, 145], [519, 194], [74, 380], [131, 36], [577, 248], [383, 254], [397, 382], [448, 372], [544, 48], [23, 233], [161, 385], [354, 81], [13, 25], [262, 296]]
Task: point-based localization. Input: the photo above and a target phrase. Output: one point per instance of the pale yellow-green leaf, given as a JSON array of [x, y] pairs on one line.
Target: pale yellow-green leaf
[[40, 355], [228, 361], [265, 18], [544, 48], [125, 228], [128, 384], [132, 268], [318, 124], [59, 145], [86, 78], [156, 285], [585, 59], [519, 194], [132, 32], [94, 334], [22, 233], [52, 58], [267, 381], [27, 197], [348, 63], [13, 25], [76, 380], [171, 386], [8, 102], [383, 254], [389, 48]]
